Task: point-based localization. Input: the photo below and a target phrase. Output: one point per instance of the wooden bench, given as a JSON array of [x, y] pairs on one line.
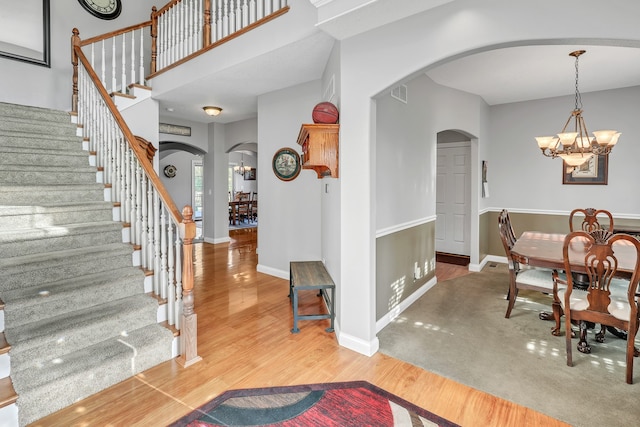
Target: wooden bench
[[308, 275]]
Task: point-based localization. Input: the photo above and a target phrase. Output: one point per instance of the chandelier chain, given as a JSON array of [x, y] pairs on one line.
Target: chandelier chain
[[578, 99]]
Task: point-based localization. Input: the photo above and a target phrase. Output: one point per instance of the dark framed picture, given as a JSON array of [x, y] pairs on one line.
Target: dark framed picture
[[250, 175], [29, 42], [592, 172]]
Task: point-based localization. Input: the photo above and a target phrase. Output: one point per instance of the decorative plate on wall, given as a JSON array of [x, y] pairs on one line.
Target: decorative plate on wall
[[103, 9], [286, 164], [170, 171]]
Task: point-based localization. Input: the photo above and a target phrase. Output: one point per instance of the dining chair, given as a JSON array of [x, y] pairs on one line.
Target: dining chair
[[253, 210], [590, 221], [536, 279], [607, 300]]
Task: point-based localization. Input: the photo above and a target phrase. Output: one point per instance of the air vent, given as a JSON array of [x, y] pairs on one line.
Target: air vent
[[400, 93]]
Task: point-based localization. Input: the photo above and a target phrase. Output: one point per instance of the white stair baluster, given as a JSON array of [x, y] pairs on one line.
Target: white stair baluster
[[104, 65], [156, 243], [151, 250], [123, 76], [164, 280], [252, 11], [133, 58], [171, 290], [260, 9], [139, 197], [245, 14], [225, 19], [141, 72], [142, 212], [113, 65]]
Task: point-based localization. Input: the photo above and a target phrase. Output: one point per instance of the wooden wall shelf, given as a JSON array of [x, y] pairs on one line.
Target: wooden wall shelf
[[319, 144]]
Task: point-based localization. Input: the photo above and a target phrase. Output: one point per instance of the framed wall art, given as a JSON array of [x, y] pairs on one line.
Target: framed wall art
[[592, 172], [25, 31], [250, 175]]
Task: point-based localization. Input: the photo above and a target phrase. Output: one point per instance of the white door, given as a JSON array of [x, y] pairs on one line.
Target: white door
[[453, 198]]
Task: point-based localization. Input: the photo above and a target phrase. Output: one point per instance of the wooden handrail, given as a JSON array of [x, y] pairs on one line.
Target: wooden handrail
[[115, 33], [128, 135]]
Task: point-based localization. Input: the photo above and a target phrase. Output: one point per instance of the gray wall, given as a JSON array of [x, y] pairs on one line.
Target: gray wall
[[290, 224], [521, 178]]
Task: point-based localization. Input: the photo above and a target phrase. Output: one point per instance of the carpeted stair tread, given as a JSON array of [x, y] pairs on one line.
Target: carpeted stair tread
[[43, 301], [43, 156], [58, 214], [62, 143], [48, 194], [47, 175], [33, 112], [37, 127], [26, 270], [50, 338], [18, 242], [83, 373]]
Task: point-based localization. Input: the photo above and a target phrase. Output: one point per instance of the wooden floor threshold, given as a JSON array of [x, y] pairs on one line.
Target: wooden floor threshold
[[452, 258]]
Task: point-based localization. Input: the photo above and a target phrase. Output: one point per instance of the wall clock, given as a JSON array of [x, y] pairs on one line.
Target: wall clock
[[103, 9], [286, 164], [170, 171]]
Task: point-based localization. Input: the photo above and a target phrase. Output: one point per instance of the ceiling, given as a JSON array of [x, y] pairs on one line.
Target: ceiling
[[535, 72]]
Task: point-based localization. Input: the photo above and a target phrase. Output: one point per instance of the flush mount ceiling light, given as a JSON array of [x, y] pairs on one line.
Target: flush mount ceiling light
[[212, 111], [575, 146]]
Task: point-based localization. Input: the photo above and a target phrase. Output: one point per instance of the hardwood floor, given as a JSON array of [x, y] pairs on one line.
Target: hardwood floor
[[244, 322]]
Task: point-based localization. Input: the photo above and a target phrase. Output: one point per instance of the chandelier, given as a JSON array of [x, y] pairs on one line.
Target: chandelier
[[575, 146], [241, 168]]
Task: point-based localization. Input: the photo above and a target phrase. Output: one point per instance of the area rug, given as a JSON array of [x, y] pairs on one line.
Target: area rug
[[457, 329], [355, 403]]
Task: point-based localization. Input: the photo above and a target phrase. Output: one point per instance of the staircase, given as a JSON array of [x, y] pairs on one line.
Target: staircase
[[76, 317]]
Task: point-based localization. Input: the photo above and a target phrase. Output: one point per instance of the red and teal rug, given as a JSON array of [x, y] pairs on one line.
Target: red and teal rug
[[355, 403]]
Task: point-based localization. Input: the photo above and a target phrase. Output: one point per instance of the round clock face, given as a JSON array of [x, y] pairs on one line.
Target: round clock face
[[286, 164], [103, 9]]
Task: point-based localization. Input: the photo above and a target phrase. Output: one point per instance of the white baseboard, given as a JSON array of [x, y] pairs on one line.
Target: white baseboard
[[273, 271], [356, 344], [387, 318], [217, 240]]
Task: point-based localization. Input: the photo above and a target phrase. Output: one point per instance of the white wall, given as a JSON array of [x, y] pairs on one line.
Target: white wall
[[29, 84], [290, 223], [521, 178]]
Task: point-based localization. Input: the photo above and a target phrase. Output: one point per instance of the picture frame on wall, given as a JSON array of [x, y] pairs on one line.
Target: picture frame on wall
[[29, 41], [592, 172], [250, 175]]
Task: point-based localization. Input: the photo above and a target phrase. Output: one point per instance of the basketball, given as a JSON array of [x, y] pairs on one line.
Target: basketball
[[325, 112]]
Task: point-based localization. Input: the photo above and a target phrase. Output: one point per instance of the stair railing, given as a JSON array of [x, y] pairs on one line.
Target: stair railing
[[179, 31], [163, 235], [183, 29]]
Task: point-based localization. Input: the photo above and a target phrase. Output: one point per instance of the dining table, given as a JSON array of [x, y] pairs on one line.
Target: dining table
[[540, 249]]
